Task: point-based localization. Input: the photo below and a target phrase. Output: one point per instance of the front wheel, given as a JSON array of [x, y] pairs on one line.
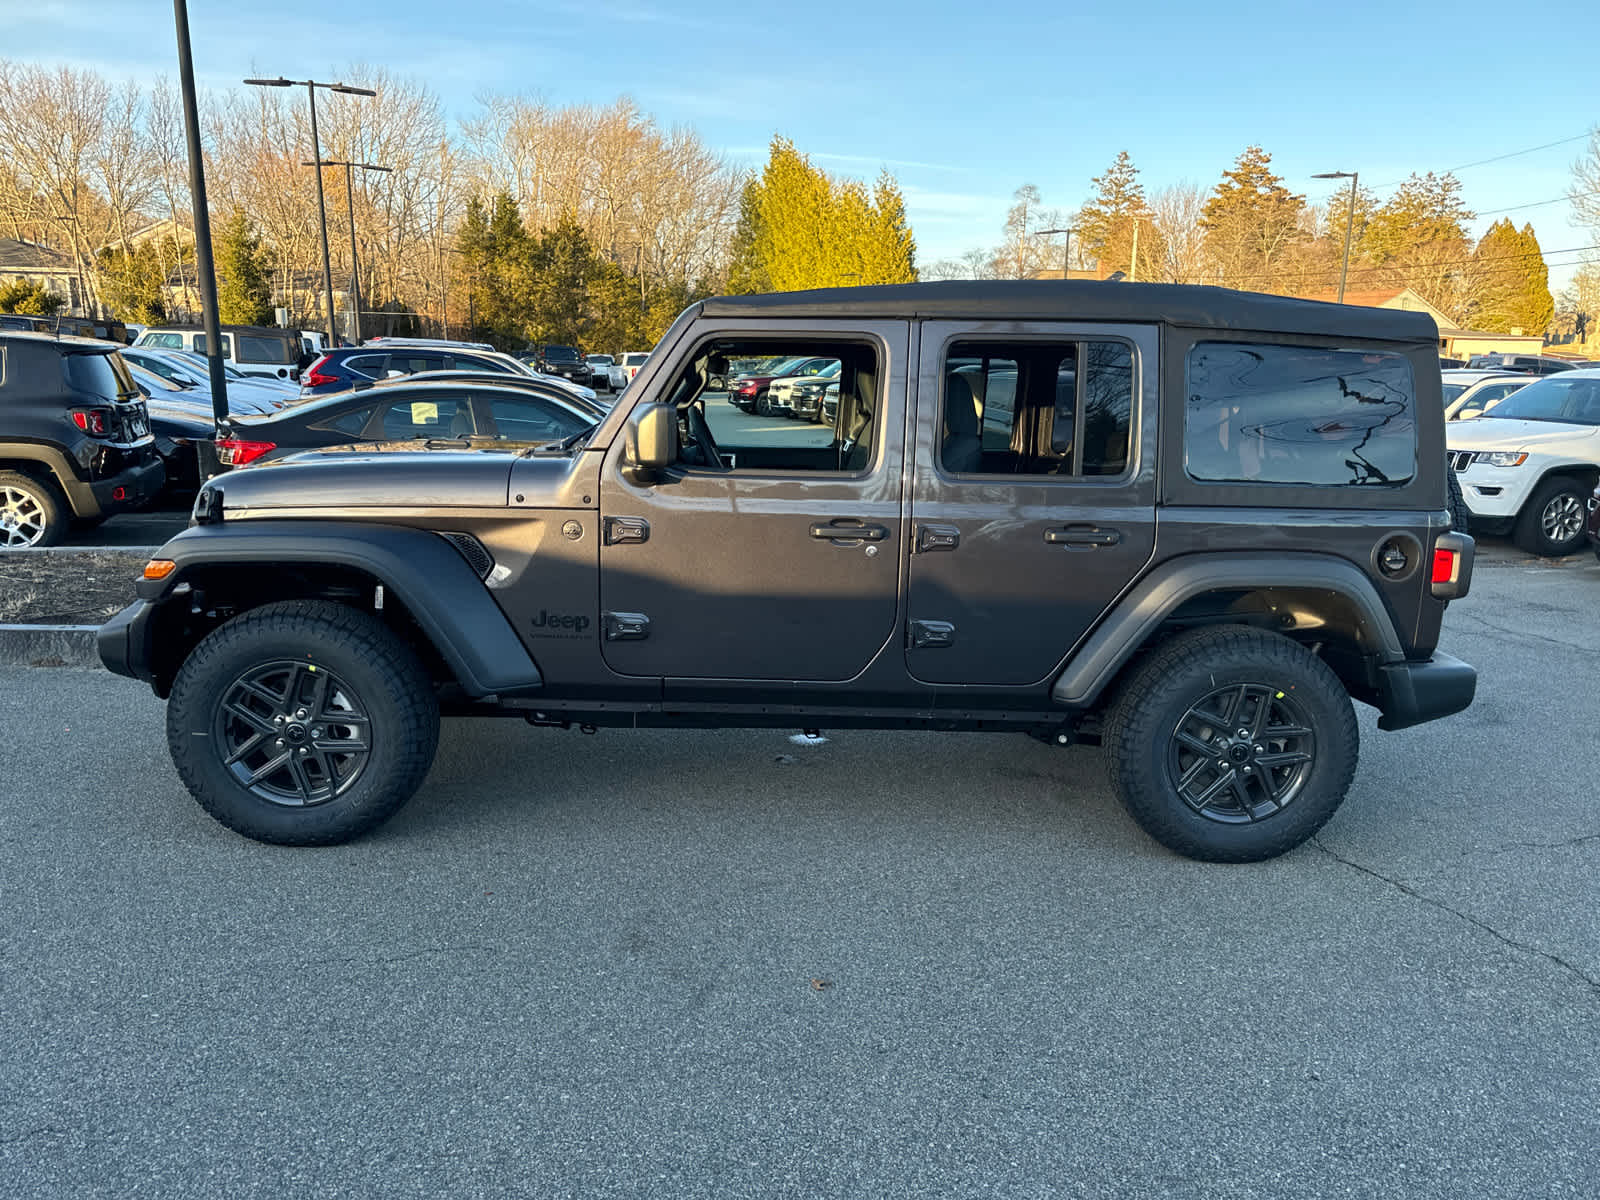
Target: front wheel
[[1551, 522], [302, 723], [1231, 744]]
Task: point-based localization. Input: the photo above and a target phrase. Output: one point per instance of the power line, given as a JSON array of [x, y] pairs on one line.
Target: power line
[[1537, 203], [1483, 162], [1318, 272]]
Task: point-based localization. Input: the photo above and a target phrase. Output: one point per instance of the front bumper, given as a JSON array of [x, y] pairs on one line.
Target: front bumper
[[1495, 495], [1410, 693], [124, 642]]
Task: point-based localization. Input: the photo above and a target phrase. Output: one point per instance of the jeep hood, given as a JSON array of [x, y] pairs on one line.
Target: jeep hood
[[1506, 433], [395, 475]]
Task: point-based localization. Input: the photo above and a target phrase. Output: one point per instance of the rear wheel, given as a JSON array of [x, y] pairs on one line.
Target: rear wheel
[[32, 512], [1231, 744], [1551, 522], [303, 723]]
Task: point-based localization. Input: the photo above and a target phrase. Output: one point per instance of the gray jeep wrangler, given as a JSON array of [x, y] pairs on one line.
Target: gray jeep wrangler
[[1188, 524]]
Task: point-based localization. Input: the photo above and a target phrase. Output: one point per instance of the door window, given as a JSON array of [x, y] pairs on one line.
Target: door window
[[531, 419], [441, 416], [1036, 408], [200, 345], [772, 405]]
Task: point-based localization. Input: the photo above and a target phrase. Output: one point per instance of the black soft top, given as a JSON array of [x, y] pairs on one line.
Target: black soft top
[[1209, 308]]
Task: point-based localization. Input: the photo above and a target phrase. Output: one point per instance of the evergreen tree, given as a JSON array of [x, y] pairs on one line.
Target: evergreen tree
[[747, 272], [1418, 239], [244, 269], [1251, 222], [133, 283], [562, 262], [29, 299], [1512, 290], [1105, 225]]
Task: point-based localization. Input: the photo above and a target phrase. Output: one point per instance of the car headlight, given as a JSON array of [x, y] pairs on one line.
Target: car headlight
[[1503, 458]]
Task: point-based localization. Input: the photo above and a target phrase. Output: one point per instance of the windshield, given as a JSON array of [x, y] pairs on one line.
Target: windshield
[[1452, 392], [1554, 398], [561, 353]]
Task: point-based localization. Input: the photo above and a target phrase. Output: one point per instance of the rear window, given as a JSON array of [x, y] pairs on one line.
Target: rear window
[[103, 375], [267, 349], [1299, 415]]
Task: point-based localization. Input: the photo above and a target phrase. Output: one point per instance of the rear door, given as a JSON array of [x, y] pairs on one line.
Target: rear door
[[1032, 492]]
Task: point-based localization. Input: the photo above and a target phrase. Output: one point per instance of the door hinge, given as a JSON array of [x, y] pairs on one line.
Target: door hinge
[[622, 531], [626, 627], [931, 635], [937, 537]]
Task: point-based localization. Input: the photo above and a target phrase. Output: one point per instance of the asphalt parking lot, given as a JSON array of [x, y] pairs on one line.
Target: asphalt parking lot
[[723, 964]]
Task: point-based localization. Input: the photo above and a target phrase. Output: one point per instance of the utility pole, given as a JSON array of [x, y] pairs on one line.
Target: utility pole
[[205, 271], [311, 87]]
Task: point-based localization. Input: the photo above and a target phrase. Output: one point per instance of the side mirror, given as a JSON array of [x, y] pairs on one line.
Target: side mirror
[[650, 441]]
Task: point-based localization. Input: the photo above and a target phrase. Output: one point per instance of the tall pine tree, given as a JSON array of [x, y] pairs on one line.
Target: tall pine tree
[[244, 270]]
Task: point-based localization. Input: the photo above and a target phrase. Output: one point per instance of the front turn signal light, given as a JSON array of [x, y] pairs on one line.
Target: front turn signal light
[[159, 568]]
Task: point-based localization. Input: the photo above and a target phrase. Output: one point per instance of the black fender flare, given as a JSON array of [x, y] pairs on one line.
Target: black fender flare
[[1134, 618], [421, 569], [62, 470]]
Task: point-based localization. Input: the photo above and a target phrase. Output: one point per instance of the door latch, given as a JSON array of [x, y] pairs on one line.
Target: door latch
[[621, 531], [1082, 535], [931, 635]]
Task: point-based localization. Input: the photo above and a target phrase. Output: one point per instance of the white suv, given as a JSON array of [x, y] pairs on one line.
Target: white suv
[[1529, 467]]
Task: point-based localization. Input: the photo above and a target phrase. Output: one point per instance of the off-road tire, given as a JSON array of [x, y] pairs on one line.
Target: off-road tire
[[391, 691], [1160, 698], [1460, 514], [1561, 498], [35, 499]]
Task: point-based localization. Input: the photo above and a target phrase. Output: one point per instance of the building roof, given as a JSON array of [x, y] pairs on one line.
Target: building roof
[[1208, 308], [31, 258]]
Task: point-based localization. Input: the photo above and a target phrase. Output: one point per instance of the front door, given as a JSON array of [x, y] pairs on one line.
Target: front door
[[780, 561], [1033, 493]]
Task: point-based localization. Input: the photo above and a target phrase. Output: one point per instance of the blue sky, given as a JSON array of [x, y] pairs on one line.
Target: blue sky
[[962, 101]]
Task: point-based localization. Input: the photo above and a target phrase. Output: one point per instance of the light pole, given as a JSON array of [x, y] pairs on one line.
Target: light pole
[[205, 273], [1349, 221], [311, 86], [1066, 248], [350, 209]]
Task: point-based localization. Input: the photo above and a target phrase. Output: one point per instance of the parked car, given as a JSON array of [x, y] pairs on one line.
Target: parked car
[[178, 429], [631, 361], [546, 385], [340, 369], [1472, 393], [404, 410], [606, 373], [1227, 532], [91, 327], [1528, 468], [190, 374], [437, 343], [23, 323], [254, 349], [1530, 364], [801, 395], [564, 361], [75, 440], [750, 390]]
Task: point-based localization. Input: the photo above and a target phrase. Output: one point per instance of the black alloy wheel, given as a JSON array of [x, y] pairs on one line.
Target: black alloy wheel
[[1242, 753], [293, 733]]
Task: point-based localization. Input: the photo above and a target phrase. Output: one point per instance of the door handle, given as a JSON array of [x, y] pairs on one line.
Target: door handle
[[1082, 535], [834, 532]]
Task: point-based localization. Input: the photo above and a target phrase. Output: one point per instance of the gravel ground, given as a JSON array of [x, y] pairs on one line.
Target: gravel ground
[[66, 587]]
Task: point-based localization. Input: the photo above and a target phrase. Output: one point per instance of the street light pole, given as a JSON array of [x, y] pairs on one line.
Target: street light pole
[[1349, 221], [205, 271], [311, 86], [1066, 248], [350, 210]]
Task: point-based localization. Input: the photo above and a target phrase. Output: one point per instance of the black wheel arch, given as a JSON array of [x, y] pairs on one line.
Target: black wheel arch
[[430, 594]]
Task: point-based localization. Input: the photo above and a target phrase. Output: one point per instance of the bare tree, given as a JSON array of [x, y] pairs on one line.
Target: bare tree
[[1178, 210]]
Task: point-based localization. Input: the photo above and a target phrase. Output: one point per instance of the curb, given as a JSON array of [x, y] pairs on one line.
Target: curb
[[49, 646]]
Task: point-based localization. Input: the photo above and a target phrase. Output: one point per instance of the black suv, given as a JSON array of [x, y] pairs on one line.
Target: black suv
[[1187, 524], [565, 361], [75, 441]]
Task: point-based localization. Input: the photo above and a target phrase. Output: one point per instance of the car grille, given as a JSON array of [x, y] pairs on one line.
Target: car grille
[[1460, 460]]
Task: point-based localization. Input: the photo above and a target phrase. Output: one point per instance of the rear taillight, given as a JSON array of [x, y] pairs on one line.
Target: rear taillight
[[1446, 566], [313, 376], [91, 420], [233, 452]]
